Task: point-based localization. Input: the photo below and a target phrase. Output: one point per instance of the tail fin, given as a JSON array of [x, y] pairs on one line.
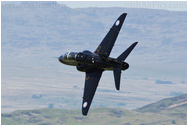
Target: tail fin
[[124, 55], [117, 76], [117, 70]]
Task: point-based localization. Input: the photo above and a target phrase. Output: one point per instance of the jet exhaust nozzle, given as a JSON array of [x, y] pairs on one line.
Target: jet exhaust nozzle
[[125, 66]]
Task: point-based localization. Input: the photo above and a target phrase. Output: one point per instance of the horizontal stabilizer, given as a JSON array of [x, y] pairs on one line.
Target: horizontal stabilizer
[[124, 55], [117, 76]]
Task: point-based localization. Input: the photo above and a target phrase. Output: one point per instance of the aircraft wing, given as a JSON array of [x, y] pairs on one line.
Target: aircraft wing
[[107, 43], [91, 82]]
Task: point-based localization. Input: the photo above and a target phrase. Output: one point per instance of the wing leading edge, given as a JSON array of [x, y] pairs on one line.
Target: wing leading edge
[[107, 43], [91, 82]]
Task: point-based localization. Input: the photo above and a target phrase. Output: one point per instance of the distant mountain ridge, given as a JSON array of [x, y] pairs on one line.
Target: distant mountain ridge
[[103, 116], [57, 27]]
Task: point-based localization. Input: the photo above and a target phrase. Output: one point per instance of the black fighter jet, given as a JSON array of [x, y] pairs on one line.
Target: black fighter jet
[[93, 64]]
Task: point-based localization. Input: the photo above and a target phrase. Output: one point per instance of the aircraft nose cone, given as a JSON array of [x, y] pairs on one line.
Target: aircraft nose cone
[[60, 58]]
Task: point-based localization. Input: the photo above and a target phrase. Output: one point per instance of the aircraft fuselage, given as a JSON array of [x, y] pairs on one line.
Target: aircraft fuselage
[[87, 60], [93, 64]]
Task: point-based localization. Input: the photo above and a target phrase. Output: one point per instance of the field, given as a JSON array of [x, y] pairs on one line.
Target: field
[[168, 112]]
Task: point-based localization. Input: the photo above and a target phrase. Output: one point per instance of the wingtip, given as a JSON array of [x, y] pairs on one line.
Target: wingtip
[[85, 108], [117, 89], [117, 86], [84, 113], [136, 42], [124, 14]]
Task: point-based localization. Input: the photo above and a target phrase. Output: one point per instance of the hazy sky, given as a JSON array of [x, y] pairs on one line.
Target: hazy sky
[[167, 5]]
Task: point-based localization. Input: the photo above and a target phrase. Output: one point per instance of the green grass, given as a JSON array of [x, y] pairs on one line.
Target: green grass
[[163, 104], [102, 116], [149, 115]]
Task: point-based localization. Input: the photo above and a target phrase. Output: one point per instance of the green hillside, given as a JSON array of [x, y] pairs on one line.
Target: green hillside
[[97, 116], [175, 112], [165, 104], [175, 108]]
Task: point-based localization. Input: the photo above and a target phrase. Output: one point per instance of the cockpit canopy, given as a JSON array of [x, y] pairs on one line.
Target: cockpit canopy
[[70, 56]]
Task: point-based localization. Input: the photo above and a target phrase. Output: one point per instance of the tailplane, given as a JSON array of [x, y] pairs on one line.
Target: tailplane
[[117, 70], [117, 76]]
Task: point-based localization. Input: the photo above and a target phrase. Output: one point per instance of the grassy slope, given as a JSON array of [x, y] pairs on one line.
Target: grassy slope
[[146, 115], [175, 108], [96, 116], [163, 104]]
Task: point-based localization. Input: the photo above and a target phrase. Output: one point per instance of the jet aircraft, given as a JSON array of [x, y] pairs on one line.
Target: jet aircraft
[[93, 64]]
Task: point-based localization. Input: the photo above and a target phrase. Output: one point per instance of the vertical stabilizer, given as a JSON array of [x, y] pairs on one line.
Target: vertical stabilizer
[[125, 54]]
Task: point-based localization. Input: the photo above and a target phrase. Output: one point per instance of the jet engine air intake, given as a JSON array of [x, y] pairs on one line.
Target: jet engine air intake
[[80, 57]]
